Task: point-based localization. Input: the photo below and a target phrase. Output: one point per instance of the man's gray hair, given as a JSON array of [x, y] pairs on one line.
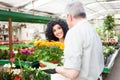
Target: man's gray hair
[[76, 9]]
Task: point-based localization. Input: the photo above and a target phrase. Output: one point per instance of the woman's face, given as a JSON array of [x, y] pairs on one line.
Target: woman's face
[[58, 31]]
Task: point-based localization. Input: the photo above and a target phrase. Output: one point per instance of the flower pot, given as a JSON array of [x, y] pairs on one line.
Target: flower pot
[[54, 61]]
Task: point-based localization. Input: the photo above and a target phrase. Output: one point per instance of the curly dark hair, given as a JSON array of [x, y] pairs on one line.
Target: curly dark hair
[[49, 31]]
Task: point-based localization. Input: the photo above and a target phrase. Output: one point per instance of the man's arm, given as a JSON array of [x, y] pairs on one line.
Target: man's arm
[[67, 72]]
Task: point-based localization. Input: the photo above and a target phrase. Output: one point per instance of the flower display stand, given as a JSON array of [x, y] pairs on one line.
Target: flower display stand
[[108, 66], [111, 62]]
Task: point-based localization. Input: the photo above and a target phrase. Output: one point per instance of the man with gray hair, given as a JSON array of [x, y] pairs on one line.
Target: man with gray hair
[[83, 57]]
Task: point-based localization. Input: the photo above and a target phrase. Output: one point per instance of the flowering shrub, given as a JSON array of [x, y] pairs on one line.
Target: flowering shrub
[[22, 48], [41, 50], [26, 73], [34, 74], [24, 54]]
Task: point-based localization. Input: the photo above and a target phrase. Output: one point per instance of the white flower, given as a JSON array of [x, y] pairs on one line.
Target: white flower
[[7, 65], [15, 52], [16, 71], [13, 65]]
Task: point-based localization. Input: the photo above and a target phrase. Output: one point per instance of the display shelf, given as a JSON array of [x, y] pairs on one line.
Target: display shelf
[[110, 64], [22, 63]]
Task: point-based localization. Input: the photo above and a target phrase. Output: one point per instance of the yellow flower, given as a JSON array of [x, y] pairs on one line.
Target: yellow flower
[[62, 46], [36, 43], [47, 43], [42, 43]]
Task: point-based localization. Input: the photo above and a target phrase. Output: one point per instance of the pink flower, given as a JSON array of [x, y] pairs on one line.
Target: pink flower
[[12, 60]]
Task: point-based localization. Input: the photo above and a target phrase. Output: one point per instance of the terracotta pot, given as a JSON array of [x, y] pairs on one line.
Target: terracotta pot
[[54, 61], [42, 65]]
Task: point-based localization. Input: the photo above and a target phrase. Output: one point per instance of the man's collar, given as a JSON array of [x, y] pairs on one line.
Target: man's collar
[[81, 21]]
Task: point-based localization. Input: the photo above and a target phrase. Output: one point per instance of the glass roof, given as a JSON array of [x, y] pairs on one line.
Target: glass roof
[[55, 8]]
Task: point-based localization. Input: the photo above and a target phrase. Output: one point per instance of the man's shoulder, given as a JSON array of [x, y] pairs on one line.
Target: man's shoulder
[[73, 30]]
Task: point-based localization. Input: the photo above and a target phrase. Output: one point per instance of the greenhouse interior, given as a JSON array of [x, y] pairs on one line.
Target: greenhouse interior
[[25, 52]]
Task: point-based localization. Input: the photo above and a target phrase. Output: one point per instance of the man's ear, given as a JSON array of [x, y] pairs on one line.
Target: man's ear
[[69, 17]]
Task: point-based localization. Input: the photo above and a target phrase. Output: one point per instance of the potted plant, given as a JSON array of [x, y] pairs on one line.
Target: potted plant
[[108, 25], [48, 51]]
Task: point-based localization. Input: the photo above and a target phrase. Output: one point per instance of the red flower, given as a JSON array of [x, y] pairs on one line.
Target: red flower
[[12, 60], [17, 78], [31, 76], [20, 74]]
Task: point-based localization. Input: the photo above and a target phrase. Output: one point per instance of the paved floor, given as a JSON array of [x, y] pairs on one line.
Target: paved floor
[[115, 71]]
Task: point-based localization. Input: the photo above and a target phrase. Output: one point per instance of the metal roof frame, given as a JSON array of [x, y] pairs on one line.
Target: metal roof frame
[[22, 17]]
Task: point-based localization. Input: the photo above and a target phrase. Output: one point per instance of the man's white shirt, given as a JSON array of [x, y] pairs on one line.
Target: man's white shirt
[[83, 51]]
